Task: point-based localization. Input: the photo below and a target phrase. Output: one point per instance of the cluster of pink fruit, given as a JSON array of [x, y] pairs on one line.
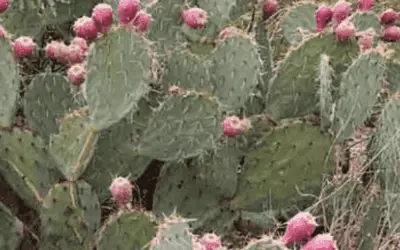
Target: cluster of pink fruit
[[208, 241], [345, 29], [301, 227]]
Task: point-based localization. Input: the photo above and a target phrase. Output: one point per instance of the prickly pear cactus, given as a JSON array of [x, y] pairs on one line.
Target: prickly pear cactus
[[70, 216], [28, 166], [12, 230], [281, 163], [9, 77], [136, 228], [173, 233], [48, 97], [298, 21]]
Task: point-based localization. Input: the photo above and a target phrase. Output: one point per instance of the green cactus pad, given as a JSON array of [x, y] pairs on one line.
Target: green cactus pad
[[257, 223], [266, 243], [73, 147], [184, 126], [114, 156], [47, 98], [23, 18], [358, 92], [386, 145], [70, 216], [283, 162], [61, 11], [265, 52], [194, 190], [12, 229], [293, 90], [365, 20], [173, 233], [127, 231], [298, 20], [28, 168], [393, 68], [325, 75], [9, 87], [119, 70], [231, 83], [165, 28]]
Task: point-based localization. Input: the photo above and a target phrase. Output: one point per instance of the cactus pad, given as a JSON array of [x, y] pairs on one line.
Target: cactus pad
[[365, 20], [23, 18], [231, 72], [358, 92], [393, 68], [29, 168], [127, 231], [119, 70], [9, 87], [173, 233], [12, 229], [201, 197], [298, 20], [293, 89], [48, 97], [73, 147], [70, 216], [182, 127], [325, 75], [282, 163], [60, 11]]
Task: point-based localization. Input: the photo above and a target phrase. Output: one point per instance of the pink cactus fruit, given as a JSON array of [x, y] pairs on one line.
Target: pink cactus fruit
[[388, 17], [75, 54], [210, 241], [323, 16], [4, 4], [365, 5], [142, 21], [81, 43], [86, 28], [233, 125], [301, 226], [23, 46], [57, 50], [341, 10], [103, 16], [320, 242], [77, 74], [391, 34], [121, 191], [366, 39], [195, 17], [345, 31], [270, 7], [51, 48], [127, 10]]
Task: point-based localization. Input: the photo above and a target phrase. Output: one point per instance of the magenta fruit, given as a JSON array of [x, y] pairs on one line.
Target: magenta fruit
[[23, 46], [142, 21], [81, 43], [391, 34], [4, 4], [340, 12], [365, 5], [270, 7], [210, 241], [233, 125], [195, 17], [320, 242], [388, 17], [103, 16], [121, 191], [323, 16], [77, 74], [127, 10], [300, 227], [345, 31], [86, 28], [75, 54], [366, 39]]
